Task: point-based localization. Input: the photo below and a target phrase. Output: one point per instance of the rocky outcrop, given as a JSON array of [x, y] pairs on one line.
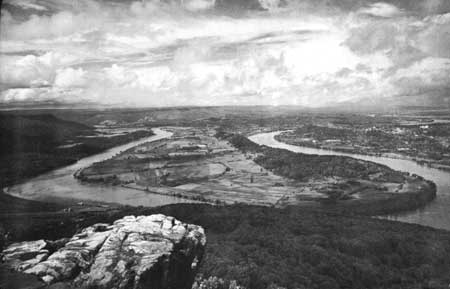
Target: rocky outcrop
[[135, 252]]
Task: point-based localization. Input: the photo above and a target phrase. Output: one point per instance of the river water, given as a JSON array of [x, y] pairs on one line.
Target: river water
[[60, 183], [436, 214]]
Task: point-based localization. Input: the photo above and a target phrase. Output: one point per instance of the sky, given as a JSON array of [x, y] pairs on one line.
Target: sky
[[311, 53]]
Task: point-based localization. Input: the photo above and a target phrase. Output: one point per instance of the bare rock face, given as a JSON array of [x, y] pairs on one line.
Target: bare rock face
[[135, 252]]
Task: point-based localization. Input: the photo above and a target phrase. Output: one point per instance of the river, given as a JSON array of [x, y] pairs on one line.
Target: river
[[436, 214], [61, 185]]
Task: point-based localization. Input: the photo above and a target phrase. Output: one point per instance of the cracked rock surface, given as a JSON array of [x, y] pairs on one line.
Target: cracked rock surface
[[153, 252]]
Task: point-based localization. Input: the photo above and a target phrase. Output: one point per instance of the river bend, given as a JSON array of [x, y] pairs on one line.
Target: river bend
[[60, 184], [436, 214]]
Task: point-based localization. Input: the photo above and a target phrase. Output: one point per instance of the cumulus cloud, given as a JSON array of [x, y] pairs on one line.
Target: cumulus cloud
[[405, 40], [198, 5], [381, 9], [69, 77], [32, 70], [206, 52], [118, 75], [27, 5], [269, 4], [428, 74], [374, 36], [19, 94], [60, 24], [435, 6], [434, 36]]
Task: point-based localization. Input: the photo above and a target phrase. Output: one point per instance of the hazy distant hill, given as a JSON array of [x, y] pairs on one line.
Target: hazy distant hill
[[36, 133], [33, 142]]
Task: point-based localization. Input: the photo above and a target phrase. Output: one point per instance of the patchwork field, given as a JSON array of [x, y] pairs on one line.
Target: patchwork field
[[192, 164], [197, 165]]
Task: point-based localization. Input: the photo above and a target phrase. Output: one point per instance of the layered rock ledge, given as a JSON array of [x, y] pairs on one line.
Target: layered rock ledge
[[154, 252]]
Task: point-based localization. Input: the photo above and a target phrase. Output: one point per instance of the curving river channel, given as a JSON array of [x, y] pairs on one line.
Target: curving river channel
[[61, 185], [436, 214]]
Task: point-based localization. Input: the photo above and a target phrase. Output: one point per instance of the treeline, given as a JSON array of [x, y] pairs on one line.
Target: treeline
[[303, 167], [392, 203], [30, 144], [240, 142], [323, 132]]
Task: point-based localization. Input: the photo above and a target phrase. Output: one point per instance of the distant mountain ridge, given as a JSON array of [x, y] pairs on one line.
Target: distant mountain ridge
[[29, 131]]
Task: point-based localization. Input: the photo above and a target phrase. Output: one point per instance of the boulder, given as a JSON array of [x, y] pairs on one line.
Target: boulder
[[23, 255], [154, 252]]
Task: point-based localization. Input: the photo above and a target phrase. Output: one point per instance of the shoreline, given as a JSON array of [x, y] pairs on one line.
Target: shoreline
[[7, 184], [394, 204], [424, 162], [61, 182], [380, 203]]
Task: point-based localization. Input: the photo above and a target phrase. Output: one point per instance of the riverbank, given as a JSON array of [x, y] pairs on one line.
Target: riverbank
[[391, 205], [434, 214], [60, 184], [416, 192], [222, 168], [282, 137], [212, 167], [32, 145], [310, 247], [193, 165]]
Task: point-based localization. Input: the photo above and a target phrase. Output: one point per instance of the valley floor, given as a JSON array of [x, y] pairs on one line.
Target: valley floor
[[196, 164]]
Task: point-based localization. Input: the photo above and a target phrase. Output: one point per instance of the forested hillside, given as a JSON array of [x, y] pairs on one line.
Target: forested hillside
[[31, 144]]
